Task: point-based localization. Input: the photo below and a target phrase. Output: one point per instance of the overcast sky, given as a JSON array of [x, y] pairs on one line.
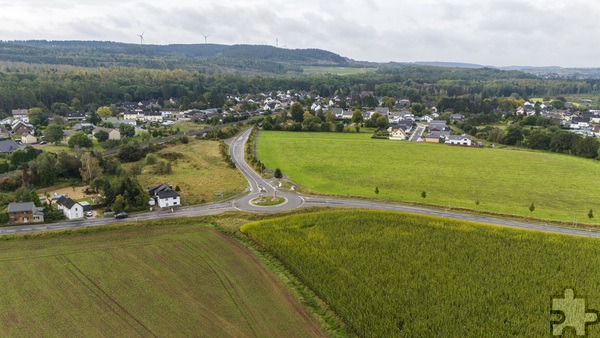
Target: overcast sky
[[488, 32]]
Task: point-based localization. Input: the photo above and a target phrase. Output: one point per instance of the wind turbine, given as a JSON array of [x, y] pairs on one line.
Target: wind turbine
[[141, 38], [205, 37]]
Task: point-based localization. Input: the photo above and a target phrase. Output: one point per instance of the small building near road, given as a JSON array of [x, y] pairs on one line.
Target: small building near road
[[28, 139], [69, 207], [164, 196], [25, 212]]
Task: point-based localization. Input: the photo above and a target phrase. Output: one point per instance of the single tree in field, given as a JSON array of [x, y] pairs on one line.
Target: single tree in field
[[531, 208], [376, 190], [423, 194], [591, 214]]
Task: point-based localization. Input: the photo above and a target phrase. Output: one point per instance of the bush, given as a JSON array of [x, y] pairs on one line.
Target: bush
[[151, 159], [278, 173]]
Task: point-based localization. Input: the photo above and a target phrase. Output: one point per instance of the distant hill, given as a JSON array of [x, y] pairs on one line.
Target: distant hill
[[451, 64], [259, 58], [558, 72]]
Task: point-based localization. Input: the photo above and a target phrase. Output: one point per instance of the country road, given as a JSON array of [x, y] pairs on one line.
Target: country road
[[257, 186]]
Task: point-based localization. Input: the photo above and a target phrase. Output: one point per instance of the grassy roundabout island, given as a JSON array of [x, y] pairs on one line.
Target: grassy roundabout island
[[268, 201]]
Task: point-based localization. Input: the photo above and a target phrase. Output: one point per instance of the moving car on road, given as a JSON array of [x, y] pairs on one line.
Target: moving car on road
[[121, 215]]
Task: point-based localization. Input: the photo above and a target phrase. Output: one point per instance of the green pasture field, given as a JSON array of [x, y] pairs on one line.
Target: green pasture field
[[392, 274], [198, 170], [185, 126], [504, 181], [336, 70], [176, 278]]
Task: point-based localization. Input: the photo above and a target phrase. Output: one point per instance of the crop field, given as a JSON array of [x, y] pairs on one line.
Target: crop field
[[198, 170], [177, 279], [393, 274], [503, 181]]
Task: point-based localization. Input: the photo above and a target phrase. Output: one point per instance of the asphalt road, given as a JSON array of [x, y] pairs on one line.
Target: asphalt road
[[257, 186], [417, 133]]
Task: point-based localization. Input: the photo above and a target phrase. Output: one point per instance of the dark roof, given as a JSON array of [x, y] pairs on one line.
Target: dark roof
[[167, 194], [75, 115], [66, 202], [162, 191], [21, 207], [8, 146], [437, 134]]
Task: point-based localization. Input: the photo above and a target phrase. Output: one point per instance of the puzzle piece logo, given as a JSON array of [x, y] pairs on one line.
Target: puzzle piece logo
[[574, 314]]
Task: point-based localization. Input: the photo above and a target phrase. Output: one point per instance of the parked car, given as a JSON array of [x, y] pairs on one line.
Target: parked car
[[43, 142], [89, 214], [121, 215]]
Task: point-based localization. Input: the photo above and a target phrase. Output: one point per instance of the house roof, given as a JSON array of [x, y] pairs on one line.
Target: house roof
[[66, 202], [167, 194], [459, 137], [21, 207], [8, 146], [162, 191], [438, 134]]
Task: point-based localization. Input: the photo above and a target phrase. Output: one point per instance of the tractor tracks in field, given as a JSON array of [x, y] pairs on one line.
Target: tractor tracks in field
[[106, 298], [228, 285]]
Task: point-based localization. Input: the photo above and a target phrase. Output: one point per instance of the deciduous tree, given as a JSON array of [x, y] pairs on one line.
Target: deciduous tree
[[53, 133], [90, 167], [80, 139]]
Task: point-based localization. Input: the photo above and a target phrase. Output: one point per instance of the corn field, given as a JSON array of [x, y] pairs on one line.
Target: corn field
[[394, 274]]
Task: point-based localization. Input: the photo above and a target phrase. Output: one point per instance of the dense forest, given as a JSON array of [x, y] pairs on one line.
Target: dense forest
[[206, 57], [88, 88]]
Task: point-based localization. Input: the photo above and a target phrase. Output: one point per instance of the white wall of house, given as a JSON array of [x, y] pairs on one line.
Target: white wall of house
[[74, 213], [169, 202], [462, 142]]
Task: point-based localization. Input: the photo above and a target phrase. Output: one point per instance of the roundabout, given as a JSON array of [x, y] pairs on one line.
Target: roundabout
[[268, 201]]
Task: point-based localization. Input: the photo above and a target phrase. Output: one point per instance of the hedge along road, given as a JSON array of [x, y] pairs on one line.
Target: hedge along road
[[258, 186]]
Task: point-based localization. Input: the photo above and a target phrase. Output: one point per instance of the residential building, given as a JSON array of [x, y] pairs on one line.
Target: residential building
[[113, 134], [397, 133], [437, 125], [25, 212], [21, 127], [462, 140], [20, 114], [69, 207], [28, 139], [153, 117], [164, 196], [75, 116], [8, 146], [404, 103], [437, 137], [456, 117]]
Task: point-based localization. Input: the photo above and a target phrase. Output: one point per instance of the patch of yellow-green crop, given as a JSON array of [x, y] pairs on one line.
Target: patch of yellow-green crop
[[392, 274]]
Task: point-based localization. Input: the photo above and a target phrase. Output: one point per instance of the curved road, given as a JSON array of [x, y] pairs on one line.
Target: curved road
[[257, 186]]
